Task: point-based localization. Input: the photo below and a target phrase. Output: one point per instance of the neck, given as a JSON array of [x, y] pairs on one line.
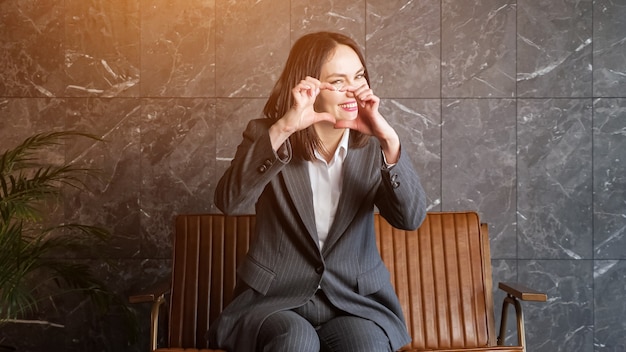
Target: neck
[[330, 138]]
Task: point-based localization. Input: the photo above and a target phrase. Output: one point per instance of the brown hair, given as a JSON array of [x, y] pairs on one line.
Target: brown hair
[[306, 58]]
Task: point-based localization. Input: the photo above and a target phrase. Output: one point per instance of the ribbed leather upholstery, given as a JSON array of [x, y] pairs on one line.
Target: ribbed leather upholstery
[[442, 275], [207, 250], [441, 272]]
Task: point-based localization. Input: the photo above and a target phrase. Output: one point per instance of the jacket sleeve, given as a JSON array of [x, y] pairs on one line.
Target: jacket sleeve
[[254, 165], [400, 198]]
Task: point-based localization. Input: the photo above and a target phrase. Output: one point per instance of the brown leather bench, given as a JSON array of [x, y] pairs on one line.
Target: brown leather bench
[[441, 273]]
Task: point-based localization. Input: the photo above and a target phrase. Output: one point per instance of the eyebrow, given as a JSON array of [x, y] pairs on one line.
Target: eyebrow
[[361, 70]]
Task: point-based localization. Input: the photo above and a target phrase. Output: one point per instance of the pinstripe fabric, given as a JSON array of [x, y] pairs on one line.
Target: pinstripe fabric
[[353, 334], [318, 310], [287, 331], [284, 266]]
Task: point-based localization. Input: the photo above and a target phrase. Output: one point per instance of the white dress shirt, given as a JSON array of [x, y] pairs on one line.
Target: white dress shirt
[[326, 183]]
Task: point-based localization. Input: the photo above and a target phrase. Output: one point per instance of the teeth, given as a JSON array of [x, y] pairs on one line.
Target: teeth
[[348, 106]]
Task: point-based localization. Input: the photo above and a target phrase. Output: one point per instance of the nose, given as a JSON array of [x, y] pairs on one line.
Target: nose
[[349, 82], [347, 86]]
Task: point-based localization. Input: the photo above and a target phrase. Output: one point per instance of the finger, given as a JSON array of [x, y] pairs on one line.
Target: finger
[[324, 116], [361, 93], [306, 88], [367, 96], [351, 124], [345, 123], [354, 89], [312, 80], [314, 84], [327, 86], [350, 89]]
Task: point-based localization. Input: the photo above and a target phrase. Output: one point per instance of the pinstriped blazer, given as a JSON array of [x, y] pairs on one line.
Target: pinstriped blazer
[[284, 265]]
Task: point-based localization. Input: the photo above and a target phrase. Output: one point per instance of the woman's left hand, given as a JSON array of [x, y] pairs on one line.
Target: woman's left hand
[[370, 121]]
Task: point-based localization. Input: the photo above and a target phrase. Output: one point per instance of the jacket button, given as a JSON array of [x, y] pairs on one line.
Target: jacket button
[[262, 168], [319, 269]]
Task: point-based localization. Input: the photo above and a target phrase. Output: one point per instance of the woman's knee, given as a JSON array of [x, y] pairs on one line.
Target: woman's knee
[[287, 331], [349, 333]]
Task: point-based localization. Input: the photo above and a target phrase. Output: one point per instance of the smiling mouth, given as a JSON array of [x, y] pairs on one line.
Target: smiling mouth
[[348, 106]]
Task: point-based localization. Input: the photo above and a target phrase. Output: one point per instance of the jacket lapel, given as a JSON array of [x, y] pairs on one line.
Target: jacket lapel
[[297, 181], [355, 169]]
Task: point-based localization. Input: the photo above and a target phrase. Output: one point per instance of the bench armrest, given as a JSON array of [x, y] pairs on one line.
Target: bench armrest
[[514, 294], [151, 294], [155, 295], [522, 292]]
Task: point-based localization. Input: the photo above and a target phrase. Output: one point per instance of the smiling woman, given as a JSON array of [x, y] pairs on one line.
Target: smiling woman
[[315, 169], [345, 73]]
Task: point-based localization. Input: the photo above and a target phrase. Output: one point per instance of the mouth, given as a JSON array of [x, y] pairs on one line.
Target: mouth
[[352, 106]]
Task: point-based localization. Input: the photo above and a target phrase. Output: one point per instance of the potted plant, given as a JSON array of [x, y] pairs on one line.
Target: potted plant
[[31, 267]]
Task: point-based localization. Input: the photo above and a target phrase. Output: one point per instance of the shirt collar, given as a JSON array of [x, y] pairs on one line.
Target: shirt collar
[[342, 147]]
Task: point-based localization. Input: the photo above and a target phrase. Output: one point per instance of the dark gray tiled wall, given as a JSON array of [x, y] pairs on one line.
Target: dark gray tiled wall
[[513, 108]]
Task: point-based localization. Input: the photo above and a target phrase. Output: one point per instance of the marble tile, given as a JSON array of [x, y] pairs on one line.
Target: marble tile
[[554, 179], [554, 41], [609, 278], [418, 123], [232, 117], [113, 198], [102, 48], [32, 44], [478, 48], [47, 334], [609, 180], [84, 326], [70, 322], [344, 16], [178, 48], [478, 165], [609, 48], [403, 48], [565, 322], [177, 162], [22, 117], [252, 44]]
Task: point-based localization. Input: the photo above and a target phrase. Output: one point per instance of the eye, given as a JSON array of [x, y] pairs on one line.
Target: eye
[[360, 76], [337, 83]]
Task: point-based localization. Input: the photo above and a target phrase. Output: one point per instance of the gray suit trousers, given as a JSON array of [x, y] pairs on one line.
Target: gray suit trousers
[[318, 326]]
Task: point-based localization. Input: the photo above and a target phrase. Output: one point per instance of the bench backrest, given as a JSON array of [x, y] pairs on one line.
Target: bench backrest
[[441, 273]]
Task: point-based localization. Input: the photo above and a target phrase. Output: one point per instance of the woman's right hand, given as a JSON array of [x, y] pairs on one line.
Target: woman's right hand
[[302, 114]]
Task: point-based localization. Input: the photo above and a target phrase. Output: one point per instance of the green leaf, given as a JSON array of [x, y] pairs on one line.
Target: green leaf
[[29, 250]]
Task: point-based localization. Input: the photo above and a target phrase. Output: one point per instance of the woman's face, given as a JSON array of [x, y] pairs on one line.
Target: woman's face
[[343, 69]]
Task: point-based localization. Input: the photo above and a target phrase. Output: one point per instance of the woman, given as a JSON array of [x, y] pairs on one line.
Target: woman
[[315, 169]]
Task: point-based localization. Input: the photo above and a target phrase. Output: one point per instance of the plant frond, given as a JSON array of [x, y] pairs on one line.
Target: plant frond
[[22, 155], [27, 184], [22, 190]]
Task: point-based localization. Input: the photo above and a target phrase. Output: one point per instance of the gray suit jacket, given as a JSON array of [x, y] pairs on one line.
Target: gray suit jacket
[[284, 265]]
